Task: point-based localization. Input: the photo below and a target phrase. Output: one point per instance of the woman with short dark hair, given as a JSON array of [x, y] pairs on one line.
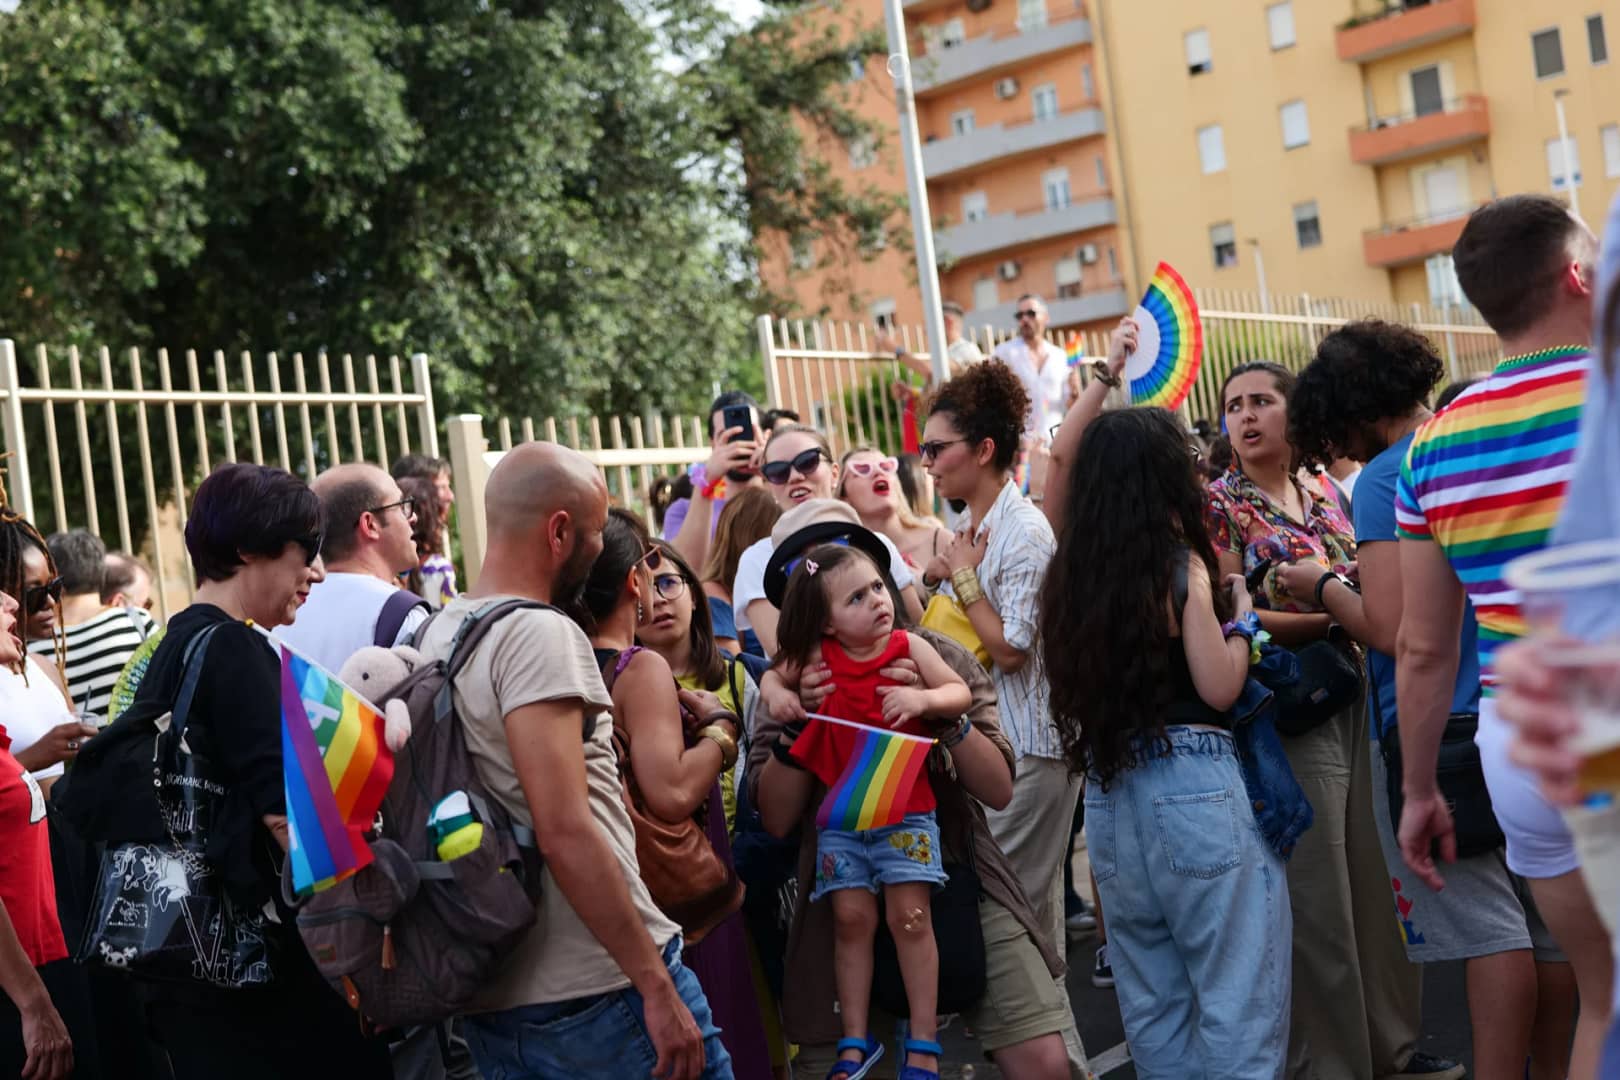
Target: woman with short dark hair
[[254, 535]]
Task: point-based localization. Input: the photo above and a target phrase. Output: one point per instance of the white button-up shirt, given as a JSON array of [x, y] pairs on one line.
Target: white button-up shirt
[[1048, 387], [1014, 568]]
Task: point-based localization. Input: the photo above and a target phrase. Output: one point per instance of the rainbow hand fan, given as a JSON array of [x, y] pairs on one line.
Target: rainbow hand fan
[[1170, 342]]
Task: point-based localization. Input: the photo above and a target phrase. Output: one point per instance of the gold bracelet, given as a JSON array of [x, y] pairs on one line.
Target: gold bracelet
[[728, 746], [966, 583]]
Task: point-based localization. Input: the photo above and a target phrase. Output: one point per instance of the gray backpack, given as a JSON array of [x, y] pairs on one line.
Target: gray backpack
[[411, 939]]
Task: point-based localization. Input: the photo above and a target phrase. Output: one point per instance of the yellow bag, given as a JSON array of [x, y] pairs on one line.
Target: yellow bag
[[946, 615]]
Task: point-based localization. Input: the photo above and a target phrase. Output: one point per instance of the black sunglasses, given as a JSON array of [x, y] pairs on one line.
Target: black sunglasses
[[36, 596], [1028, 314], [806, 464], [935, 447], [408, 504], [311, 545]]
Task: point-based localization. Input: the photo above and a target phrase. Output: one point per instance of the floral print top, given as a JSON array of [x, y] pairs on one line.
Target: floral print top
[[1244, 520]]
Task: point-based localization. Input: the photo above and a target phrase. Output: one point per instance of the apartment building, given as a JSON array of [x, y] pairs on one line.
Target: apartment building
[[1337, 150], [1330, 148], [1015, 158]]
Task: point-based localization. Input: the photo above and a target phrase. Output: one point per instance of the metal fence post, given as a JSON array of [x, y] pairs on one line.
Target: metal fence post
[[468, 473], [427, 426], [20, 490], [767, 352]]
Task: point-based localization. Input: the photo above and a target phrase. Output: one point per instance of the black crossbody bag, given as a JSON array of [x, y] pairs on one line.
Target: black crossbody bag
[[1461, 778]]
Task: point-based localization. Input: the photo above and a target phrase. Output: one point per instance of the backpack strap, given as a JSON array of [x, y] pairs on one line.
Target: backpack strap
[[395, 610], [467, 637], [133, 614], [192, 665]]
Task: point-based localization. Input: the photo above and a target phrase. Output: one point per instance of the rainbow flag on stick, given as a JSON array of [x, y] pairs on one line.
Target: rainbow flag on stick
[[871, 773], [336, 769]]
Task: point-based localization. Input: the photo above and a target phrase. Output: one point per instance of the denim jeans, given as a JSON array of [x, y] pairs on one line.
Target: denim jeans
[[594, 1038], [1199, 927]]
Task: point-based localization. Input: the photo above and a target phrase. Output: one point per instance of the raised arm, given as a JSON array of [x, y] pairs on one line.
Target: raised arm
[[1219, 665], [1088, 405]]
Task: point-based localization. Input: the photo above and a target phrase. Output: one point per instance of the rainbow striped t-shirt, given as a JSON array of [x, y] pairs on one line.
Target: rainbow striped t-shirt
[[1485, 480]]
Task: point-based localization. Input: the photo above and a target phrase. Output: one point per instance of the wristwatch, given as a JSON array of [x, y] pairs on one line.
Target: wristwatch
[[1333, 575]]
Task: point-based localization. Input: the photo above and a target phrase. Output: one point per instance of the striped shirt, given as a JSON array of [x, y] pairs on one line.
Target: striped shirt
[[1485, 479], [1020, 548], [97, 650]]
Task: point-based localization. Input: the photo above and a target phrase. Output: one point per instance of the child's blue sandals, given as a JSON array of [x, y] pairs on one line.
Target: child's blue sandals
[[917, 1072], [871, 1052]]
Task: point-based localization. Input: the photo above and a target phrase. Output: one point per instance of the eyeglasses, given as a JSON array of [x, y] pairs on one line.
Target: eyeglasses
[[669, 586], [407, 504], [934, 447], [806, 464], [36, 596], [867, 468], [1028, 314]]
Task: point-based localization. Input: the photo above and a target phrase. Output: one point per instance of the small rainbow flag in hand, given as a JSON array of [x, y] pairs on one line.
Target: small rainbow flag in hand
[[336, 769], [871, 773], [1072, 350]]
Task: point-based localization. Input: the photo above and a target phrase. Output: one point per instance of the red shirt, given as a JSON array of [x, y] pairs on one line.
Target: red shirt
[[27, 886]]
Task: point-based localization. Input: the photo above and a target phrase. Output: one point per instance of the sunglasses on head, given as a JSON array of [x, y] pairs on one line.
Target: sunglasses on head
[[867, 468], [653, 558], [35, 597], [806, 464]]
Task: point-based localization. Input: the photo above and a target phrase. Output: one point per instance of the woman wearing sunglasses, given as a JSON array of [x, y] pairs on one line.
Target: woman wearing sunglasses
[[798, 466], [38, 714], [870, 482], [683, 738]]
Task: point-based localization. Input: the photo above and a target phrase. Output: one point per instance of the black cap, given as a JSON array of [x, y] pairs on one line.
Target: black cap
[[788, 551]]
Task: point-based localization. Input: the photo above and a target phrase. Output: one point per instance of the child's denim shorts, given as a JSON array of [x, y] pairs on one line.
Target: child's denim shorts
[[867, 859]]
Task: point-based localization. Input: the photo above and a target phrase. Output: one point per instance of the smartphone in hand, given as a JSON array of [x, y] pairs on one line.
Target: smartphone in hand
[[738, 416]]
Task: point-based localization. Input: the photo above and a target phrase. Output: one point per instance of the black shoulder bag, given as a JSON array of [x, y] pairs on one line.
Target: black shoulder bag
[[1459, 775], [160, 910]]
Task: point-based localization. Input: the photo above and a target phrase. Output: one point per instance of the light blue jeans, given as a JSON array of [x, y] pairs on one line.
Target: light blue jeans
[[1199, 928], [595, 1038]]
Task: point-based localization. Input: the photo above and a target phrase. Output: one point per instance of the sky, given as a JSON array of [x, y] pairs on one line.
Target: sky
[[744, 11]]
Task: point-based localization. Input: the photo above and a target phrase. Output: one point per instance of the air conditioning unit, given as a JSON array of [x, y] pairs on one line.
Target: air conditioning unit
[[1009, 270], [1088, 253], [1006, 88], [977, 6]]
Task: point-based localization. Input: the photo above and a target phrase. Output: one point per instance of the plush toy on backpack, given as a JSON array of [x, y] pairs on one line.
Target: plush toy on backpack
[[373, 673]]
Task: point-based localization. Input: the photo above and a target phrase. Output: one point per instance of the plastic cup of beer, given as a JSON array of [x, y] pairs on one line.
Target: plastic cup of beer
[[1570, 597]]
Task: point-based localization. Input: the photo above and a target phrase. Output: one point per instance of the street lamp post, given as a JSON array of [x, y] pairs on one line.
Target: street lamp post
[[916, 190], [1563, 151]]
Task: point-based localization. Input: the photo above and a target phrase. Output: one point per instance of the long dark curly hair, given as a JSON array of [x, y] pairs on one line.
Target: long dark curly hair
[[1364, 372], [1135, 507]]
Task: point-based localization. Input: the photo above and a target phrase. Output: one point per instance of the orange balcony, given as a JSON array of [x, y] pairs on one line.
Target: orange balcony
[[1401, 28], [1402, 243], [1396, 138]]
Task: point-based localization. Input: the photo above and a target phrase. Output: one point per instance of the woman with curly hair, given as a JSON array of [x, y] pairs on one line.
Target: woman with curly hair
[[994, 568], [1143, 674], [1362, 398], [1357, 1002]]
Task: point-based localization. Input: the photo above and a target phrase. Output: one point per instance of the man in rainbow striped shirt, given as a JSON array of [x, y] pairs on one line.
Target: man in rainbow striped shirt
[[1483, 484]]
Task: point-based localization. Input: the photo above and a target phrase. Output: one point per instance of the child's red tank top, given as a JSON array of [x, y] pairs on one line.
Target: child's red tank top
[[855, 683]]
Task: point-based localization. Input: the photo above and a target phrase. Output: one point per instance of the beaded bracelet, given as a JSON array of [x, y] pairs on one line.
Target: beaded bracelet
[[955, 737]]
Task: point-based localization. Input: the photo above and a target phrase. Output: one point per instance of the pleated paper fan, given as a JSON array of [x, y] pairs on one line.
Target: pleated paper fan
[[1170, 342]]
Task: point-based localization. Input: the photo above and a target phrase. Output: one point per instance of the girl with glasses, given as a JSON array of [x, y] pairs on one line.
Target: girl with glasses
[[870, 482], [682, 736], [798, 466]]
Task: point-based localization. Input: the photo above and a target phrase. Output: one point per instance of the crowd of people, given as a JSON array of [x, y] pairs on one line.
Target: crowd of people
[[1269, 665]]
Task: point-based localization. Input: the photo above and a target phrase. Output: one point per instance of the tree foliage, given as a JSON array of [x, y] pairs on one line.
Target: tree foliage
[[556, 201]]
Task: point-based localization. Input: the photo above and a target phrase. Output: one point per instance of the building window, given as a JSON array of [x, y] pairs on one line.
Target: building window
[[1088, 83], [1113, 265], [1211, 149], [951, 34], [1223, 244], [1596, 43], [1556, 166], [985, 295], [1296, 126], [1068, 277], [874, 238], [1611, 150], [975, 206], [862, 151], [804, 253], [1102, 173], [1307, 225], [1055, 182], [1549, 53], [1280, 22], [1444, 289], [857, 68], [1031, 14], [883, 314], [1044, 98], [1196, 43], [1427, 93], [961, 122]]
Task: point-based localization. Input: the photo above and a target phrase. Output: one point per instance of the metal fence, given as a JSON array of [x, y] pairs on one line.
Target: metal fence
[[655, 446], [140, 413], [833, 375]]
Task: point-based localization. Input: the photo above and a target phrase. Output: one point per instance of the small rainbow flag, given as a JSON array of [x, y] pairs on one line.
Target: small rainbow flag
[[336, 769], [1072, 350], [1170, 342], [871, 773]]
